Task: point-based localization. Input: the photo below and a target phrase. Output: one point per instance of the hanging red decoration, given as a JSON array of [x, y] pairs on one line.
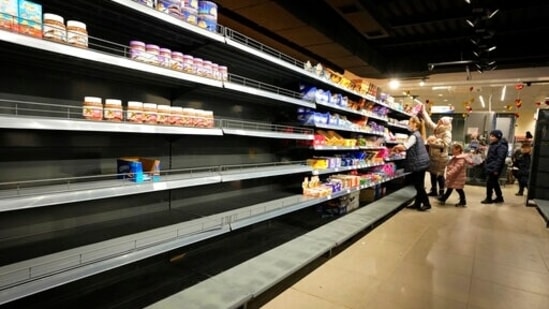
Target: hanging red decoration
[[538, 104], [519, 87], [468, 108], [471, 88], [517, 115], [518, 103]]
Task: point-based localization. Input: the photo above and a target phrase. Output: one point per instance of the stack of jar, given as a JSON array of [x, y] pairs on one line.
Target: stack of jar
[[147, 113], [207, 15], [153, 54], [74, 33], [189, 11]]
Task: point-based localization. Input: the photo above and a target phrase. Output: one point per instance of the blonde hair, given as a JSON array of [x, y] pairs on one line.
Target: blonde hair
[[419, 124], [457, 146]]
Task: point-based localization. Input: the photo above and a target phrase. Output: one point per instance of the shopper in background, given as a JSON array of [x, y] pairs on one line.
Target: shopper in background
[[438, 145], [456, 174], [523, 164], [417, 161], [494, 165]]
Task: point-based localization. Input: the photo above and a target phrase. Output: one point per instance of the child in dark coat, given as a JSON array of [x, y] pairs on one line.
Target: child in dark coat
[[523, 163]]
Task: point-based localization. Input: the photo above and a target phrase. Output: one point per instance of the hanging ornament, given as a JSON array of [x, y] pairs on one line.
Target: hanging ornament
[[471, 88], [468, 108], [538, 104], [518, 103], [519, 87], [517, 115]]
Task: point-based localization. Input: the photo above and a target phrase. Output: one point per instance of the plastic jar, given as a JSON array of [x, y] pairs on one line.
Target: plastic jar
[[137, 50], [223, 72], [113, 110], [207, 8], [150, 113], [208, 119], [77, 34], [176, 116], [164, 112], [191, 4], [153, 54], [188, 117], [189, 15], [188, 64], [207, 67], [149, 3], [215, 71], [53, 28], [92, 108], [198, 64], [177, 61], [134, 113], [165, 57], [172, 7]]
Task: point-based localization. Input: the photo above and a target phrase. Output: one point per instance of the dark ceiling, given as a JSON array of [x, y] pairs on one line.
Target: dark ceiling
[[398, 38]]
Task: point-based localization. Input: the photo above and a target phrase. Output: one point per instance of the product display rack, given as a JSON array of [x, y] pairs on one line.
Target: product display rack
[[59, 160]]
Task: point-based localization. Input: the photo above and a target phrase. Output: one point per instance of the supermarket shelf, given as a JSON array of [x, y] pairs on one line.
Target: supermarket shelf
[[340, 128], [240, 84], [170, 19], [255, 276], [344, 168], [42, 123], [321, 147], [38, 274], [244, 128], [22, 195], [103, 58], [233, 173]]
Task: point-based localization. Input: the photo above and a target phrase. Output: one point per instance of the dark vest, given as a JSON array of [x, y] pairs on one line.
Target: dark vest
[[417, 157]]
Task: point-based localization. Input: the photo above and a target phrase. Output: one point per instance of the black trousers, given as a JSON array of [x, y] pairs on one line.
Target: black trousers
[[459, 191], [492, 186], [436, 180], [417, 178]]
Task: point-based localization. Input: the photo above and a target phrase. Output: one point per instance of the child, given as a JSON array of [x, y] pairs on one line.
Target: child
[[523, 164], [455, 175]]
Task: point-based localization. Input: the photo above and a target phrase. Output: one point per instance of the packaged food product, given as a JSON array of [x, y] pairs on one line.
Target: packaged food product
[[188, 64], [165, 57], [150, 113], [149, 3], [176, 115], [153, 54], [134, 112], [207, 67], [113, 110], [77, 34], [30, 18], [9, 14], [164, 112], [92, 108], [207, 8], [54, 28], [198, 64], [223, 72], [177, 61], [137, 50], [171, 7]]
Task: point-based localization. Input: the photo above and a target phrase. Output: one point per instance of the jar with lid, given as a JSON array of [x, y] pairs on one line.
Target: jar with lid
[[188, 117], [164, 112], [150, 113], [207, 67], [223, 72], [149, 3], [177, 58], [92, 108], [215, 71], [199, 66], [53, 28], [77, 34], [176, 116], [208, 119], [188, 64], [134, 112], [165, 57], [137, 50], [113, 110], [153, 54]]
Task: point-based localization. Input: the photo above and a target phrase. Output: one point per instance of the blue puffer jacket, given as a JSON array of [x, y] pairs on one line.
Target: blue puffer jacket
[[495, 158]]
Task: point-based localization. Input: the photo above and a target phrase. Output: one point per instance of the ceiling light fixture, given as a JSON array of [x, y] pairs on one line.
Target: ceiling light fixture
[[481, 98], [503, 92], [470, 23], [490, 15], [394, 84], [468, 1]]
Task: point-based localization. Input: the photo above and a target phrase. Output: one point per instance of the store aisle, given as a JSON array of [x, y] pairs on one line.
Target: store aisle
[[482, 256]]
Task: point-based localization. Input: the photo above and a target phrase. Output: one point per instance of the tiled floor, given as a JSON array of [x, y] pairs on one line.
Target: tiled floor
[[482, 256]]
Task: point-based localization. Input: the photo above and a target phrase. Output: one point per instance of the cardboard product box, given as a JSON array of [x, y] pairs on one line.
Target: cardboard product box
[[367, 195], [138, 169], [8, 14], [30, 18], [354, 200]]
